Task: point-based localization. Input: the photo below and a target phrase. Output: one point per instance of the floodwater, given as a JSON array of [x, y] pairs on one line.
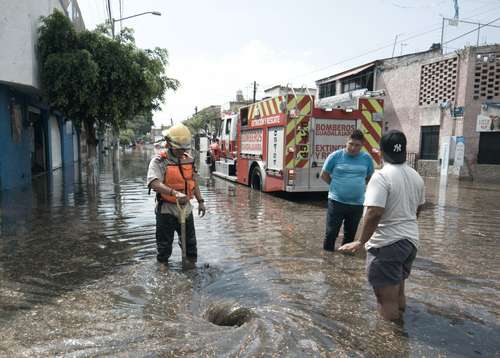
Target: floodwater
[[79, 278]]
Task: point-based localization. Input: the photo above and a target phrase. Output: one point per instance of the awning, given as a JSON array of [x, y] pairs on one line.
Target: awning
[[347, 73]]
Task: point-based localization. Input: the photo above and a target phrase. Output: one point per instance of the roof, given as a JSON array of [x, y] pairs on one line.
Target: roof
[[348, 73], [358, 69], [286, 87]]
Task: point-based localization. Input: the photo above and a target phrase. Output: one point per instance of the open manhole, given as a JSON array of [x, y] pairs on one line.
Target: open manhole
[[228, 315]]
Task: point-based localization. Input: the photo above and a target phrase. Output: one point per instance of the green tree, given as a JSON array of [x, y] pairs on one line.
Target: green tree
[[99, 81], [204, 122], [127, 136], [140, 125]]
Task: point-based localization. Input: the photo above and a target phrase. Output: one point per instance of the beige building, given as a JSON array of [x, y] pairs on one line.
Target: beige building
[[448, 106]]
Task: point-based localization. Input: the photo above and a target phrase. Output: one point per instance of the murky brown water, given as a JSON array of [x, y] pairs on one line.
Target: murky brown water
[[79, 278]]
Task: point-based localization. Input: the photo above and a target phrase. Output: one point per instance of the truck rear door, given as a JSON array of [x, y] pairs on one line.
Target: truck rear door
[[327, 135]]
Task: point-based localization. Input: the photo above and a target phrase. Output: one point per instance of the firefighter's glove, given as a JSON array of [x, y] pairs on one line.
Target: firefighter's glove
[[201, 209], [181, 198]]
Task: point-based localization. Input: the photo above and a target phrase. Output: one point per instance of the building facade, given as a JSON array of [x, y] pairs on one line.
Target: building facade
[[448, 106], [35, 139]]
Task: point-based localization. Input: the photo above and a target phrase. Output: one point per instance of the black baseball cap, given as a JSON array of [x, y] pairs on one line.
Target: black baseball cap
[[393, 145]]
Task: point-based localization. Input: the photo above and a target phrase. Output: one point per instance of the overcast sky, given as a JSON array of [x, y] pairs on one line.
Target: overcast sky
[[217, 47]]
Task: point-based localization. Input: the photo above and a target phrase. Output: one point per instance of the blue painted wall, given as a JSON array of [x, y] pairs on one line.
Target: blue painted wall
[[67, 142], [15, 160], [48, 143]]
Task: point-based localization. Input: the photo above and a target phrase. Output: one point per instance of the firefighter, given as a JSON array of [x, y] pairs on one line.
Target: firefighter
[[215, 149], [171, 176], [214, 153]]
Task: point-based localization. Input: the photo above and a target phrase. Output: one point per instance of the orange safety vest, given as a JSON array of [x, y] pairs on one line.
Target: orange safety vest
[[179, 175]]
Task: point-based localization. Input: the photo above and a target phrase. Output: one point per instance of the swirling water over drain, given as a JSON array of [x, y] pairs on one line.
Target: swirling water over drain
[[78, 276], [228, 314]]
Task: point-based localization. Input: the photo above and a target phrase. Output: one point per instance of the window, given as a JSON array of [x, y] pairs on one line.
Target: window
[[327, 89], [363, 80], [228, 125], [221, 128], [244, 116], [429, 142]]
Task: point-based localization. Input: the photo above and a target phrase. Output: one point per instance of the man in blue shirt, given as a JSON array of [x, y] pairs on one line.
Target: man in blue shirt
[[346, 171]]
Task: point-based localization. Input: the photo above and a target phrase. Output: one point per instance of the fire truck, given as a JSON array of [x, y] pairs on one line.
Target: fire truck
[[281, 143]]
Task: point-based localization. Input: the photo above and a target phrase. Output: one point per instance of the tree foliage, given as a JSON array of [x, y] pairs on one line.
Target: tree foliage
[[97, 80], [205, 122], [127, 136], [139, 127]]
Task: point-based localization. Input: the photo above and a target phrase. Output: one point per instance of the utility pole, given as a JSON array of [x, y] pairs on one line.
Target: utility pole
[[111, 21], [442, 36], [254, 90], [456, 9], [478, 29], [394, 48], [121, 14]]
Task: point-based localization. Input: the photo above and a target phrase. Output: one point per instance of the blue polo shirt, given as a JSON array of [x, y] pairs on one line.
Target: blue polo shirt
[[348, 175]]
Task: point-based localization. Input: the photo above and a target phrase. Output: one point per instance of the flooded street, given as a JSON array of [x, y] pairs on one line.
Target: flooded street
[[79, 277]]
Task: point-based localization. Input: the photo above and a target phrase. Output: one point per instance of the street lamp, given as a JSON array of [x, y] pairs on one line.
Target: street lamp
[[156, 13]]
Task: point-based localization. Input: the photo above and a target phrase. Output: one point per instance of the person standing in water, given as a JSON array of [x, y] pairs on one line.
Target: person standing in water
[[394, 198]]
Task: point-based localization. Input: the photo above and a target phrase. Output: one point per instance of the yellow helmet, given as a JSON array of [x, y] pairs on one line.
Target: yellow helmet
[[178, 136]]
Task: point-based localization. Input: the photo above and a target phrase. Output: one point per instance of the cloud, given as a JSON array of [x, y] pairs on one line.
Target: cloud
[[214, 80]]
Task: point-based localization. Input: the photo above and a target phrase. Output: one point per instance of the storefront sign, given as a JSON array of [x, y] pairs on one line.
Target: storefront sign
[[458, 112], [489, 118]]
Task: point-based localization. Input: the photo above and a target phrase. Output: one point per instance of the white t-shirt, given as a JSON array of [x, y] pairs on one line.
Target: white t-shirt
[[400, 190]]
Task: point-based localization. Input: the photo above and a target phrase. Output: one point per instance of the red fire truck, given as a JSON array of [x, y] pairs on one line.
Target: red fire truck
[[281, 143]]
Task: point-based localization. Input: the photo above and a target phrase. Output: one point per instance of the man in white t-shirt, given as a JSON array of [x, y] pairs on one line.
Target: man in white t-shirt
[[393, 200]]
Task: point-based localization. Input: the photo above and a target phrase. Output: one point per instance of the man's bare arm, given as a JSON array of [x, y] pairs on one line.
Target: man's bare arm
[[201, 202], [419, 210], [326, 177], [370, 222], [161, 188]]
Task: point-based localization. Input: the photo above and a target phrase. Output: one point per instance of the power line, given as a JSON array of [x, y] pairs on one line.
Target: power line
[[469, 32], [386, 46]]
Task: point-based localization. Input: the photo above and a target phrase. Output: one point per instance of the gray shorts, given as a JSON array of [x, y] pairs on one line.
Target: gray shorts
[[389, 265]]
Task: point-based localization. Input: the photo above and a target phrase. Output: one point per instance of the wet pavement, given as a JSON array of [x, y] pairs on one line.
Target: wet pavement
[[79, 278]]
